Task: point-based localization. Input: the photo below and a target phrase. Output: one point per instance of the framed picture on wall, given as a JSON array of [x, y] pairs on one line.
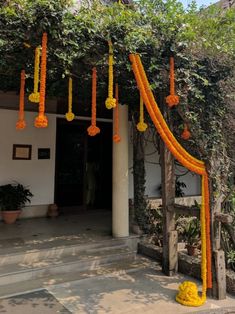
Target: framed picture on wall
[[43, 153], [22, 152]]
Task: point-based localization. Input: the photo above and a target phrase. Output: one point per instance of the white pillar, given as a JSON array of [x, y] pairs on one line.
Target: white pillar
[[120, 210]]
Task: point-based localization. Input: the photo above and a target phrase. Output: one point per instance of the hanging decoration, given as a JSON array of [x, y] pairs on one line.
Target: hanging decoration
[[116, 136], [21, 124], [172, 99], [110, 101], [34, 97], [41, 120], [188, 294], [93, 129], [141, 126], [186, 133], [70, 115]]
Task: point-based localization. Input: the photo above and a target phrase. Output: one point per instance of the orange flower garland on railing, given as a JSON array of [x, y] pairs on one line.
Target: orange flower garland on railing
[[172, 99], [188, 291], [70, 115], [35, 96], [110, 101], [116, 136], [136, 62], [141, 126], [41, 120], [21, 124], [186, 133], [93, 129], [192, 163]]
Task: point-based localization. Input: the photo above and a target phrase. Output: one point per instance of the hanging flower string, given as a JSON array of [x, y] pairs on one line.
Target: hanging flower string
[[70, 115], [188, 294], [20, 124], [181, 154], [172, 99], [116, 136], [208, 236], [110, 101], [35, 96], [41, 120], [141, 126], [186, 133], [93, 129]]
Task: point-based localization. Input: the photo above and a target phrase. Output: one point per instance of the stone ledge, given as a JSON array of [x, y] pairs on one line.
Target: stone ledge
[[188, 265]]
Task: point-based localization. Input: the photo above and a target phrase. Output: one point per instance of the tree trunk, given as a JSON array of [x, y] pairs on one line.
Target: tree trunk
[[140, 202], [218, 257]]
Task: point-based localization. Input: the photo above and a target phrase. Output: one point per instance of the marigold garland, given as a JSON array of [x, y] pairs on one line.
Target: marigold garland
[[110, 101], [186, 133], [41, 120], [21, 124], [172, 99], [156, 112], [141, 126], [35, 96], [116, 136], [93, 129], [164, 131], [208, 242], [70, 115], [187, 290]]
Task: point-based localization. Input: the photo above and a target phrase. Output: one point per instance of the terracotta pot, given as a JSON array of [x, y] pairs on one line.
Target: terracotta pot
[[136, 229], [9, 217], [192, 250], [52, 210]]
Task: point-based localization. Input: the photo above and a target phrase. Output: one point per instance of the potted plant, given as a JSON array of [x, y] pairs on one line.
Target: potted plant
[[12, 198], [192, 236], [189, 232]]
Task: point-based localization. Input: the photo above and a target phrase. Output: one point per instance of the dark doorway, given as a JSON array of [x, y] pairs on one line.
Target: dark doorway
[[83, 177]]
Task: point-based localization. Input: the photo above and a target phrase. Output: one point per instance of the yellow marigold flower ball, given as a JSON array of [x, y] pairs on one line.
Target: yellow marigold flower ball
[[110, 103], [142, 126], [69, 116], [188, 294], [34, 97]]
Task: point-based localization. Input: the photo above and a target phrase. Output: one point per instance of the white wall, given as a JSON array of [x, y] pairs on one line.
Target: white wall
[[153, 172], [37, 174]]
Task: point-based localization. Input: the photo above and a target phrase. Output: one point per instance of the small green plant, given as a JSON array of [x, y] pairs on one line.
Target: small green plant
[[189, 230], [179, 186], [156, 225], [14, 196], [231, 259]]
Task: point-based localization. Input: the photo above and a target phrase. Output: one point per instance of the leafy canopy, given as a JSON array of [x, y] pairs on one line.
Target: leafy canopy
[[202, 42]]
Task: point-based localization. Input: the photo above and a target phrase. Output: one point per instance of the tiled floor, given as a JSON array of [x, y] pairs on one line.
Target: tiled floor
[[46, 232]]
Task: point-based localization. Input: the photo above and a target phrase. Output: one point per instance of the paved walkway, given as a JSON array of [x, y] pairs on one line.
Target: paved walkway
[[144, 290]]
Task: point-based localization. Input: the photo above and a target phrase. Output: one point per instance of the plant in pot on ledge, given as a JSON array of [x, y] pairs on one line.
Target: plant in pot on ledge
[[192, 236], [12, 198], [189, 232]]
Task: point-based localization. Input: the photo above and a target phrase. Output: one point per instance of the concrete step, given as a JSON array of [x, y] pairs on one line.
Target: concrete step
[[84, 260], [8, 257], [116, 267]]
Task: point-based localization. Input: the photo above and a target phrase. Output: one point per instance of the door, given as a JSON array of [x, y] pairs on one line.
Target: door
[[83, 166]]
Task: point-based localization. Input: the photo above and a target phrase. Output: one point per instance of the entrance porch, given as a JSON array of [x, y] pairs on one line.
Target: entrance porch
[[39, 252], [40, 233]]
